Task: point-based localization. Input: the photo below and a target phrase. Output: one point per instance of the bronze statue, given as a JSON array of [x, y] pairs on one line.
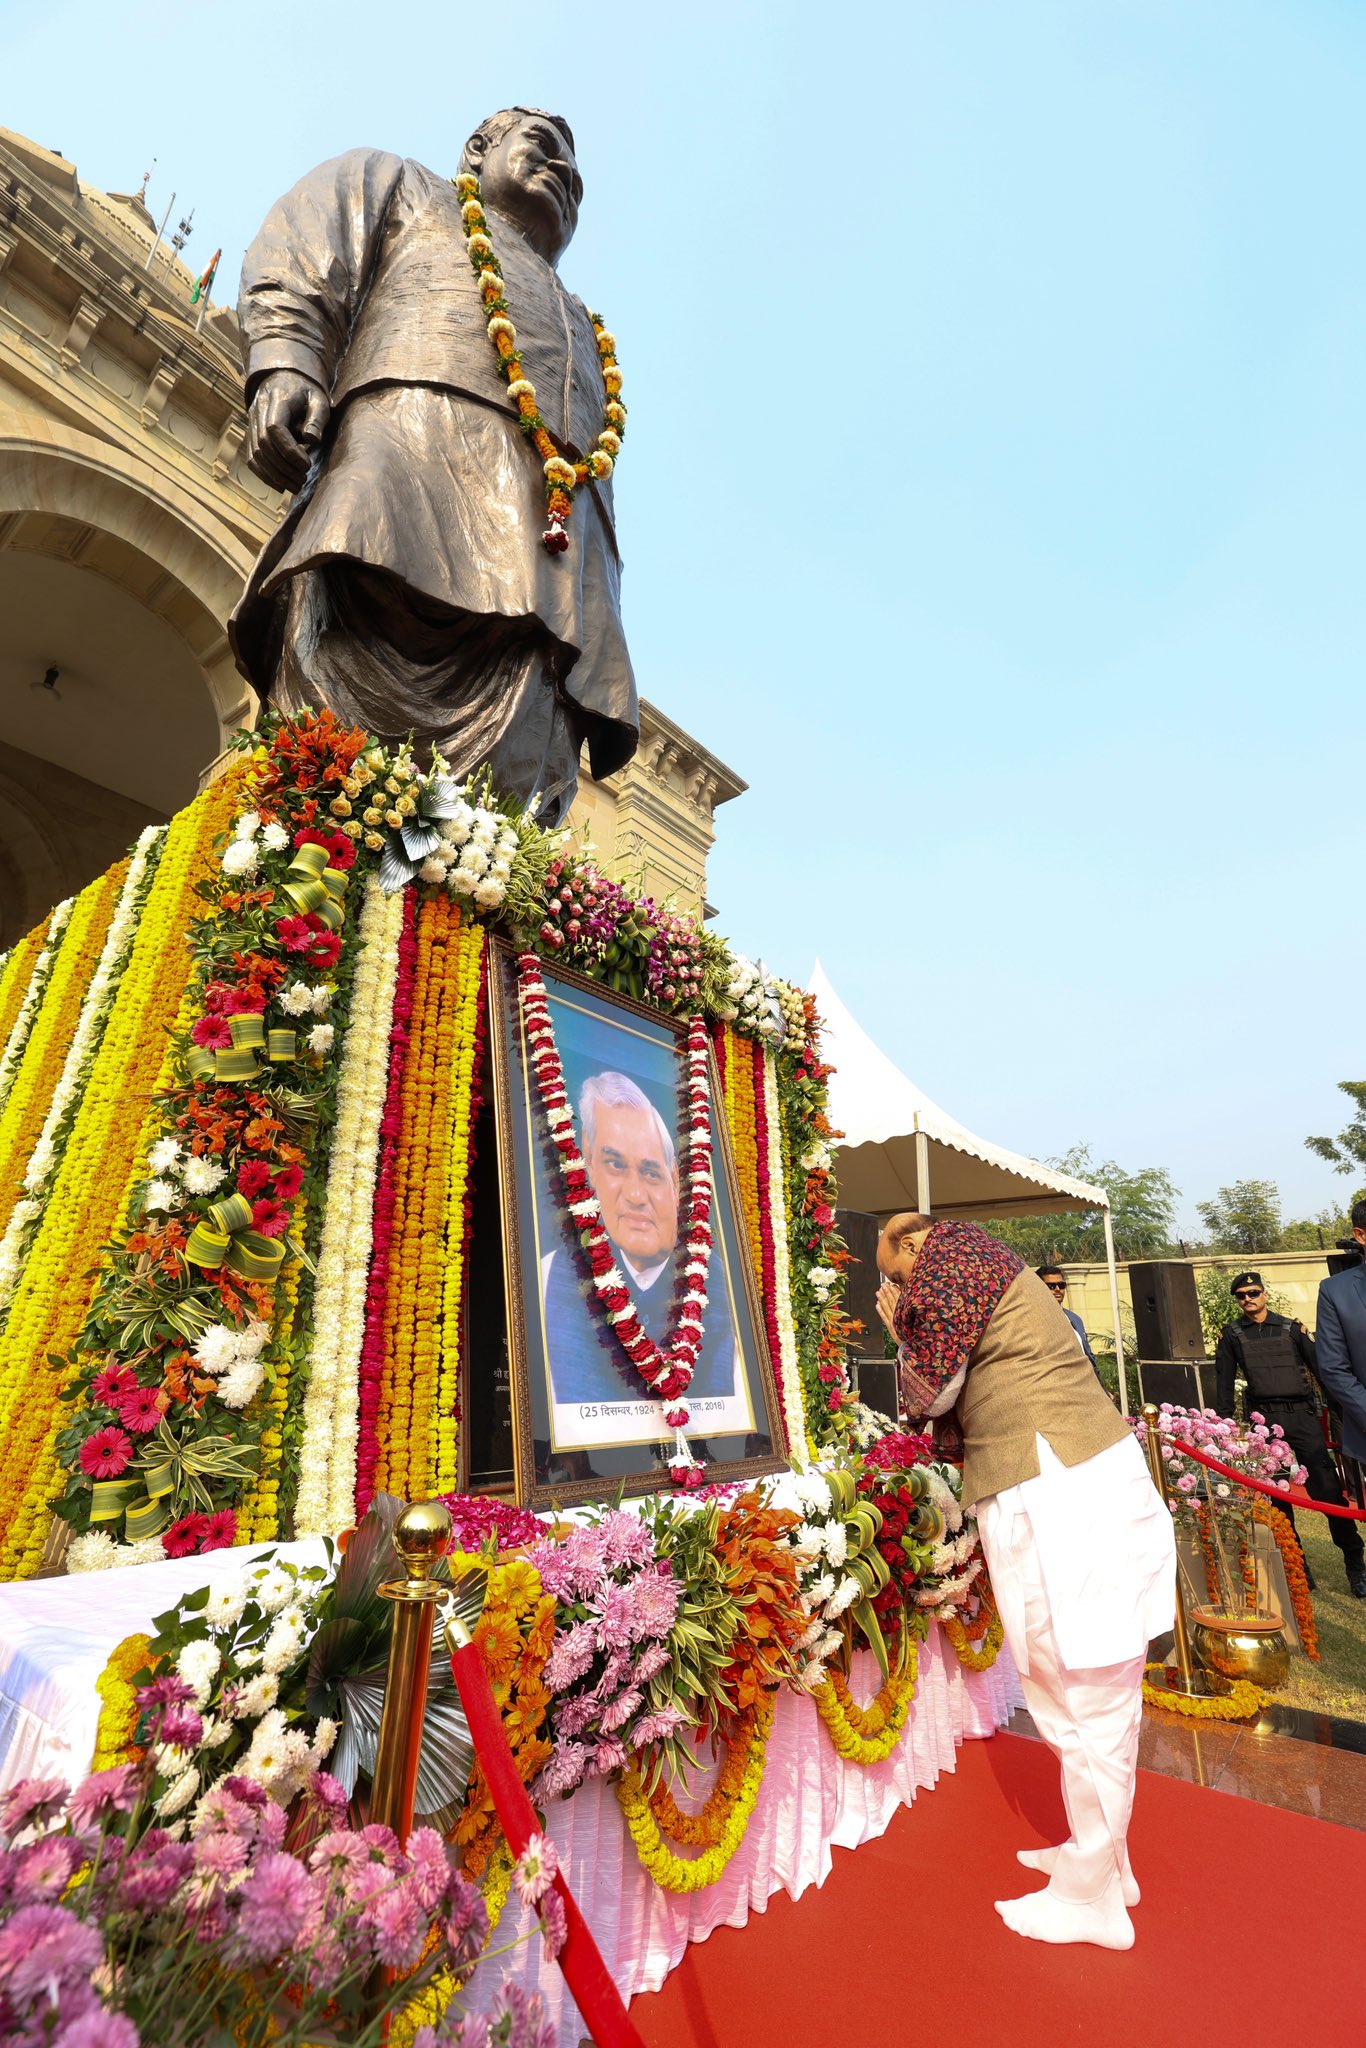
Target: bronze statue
[[408, 586]]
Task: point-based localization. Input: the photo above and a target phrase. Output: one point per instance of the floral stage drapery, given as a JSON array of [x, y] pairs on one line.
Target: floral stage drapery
[[240, 1078]]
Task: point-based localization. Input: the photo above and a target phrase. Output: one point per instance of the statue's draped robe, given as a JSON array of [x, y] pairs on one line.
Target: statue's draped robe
[[407, 586]]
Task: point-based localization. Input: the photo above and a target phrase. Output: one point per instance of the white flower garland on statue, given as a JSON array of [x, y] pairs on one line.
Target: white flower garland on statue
[[46, 1155], [327, 1460], [33, 996], [794, 1407]]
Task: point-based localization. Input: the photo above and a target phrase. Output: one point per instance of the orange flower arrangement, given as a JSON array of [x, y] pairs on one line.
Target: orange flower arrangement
[[514, 1634], [762, 1574]]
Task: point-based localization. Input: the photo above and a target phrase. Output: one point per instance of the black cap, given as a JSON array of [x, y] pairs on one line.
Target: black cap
[[1244, 1280]]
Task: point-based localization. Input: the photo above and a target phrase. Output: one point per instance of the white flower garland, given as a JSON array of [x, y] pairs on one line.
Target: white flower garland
[[46, 1155], [33, 996], [794, 1407], [327, 1460]]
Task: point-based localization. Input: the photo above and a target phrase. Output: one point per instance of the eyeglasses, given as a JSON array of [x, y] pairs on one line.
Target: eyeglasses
[[1247, 1293]]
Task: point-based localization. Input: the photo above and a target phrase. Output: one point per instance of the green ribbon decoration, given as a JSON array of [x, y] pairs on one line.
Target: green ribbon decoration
[[224, 1238], [200, 1063], [109, 1498], [147, 1517], [248, 1034], [311, 885], [281, 1046]]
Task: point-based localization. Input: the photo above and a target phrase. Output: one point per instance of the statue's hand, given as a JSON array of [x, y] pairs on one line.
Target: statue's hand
[[284, 425]]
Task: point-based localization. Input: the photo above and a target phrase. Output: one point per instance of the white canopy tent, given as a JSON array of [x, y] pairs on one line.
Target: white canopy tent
[[902, 1151]]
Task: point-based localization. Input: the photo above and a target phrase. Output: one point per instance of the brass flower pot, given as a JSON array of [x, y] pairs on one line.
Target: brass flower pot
[[1250, 1646]]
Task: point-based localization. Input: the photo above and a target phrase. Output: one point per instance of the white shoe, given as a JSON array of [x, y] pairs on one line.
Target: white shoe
[[1044, 1859], [1042, 1916]]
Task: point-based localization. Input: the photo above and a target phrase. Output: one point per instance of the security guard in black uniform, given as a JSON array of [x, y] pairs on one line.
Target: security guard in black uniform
[[1276, 1358]]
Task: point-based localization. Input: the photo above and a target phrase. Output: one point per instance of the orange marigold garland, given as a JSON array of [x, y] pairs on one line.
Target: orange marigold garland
[[1296, 1578], [515, 1635]]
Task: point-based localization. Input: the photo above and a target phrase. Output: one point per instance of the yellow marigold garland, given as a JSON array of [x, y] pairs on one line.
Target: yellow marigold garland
[[469, 959], [87, 1196], [1240, 1703], [259, 1515], [44, 1055], [31, 996], [868, 1735], [706, 1828], [986, 1627], [17, 974], [739, 1094], [408, 1394], [679, 1873], [119, 1708]]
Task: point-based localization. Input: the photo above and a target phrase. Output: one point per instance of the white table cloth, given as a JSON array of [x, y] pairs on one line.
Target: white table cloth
[[56, 1636]]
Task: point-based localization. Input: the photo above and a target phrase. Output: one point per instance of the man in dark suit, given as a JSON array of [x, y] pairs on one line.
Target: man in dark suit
[[1055, 1280], [1341, 1342], [634, 1173]]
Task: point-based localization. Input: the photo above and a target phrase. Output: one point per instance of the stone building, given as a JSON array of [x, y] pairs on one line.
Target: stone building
[[128, 523]]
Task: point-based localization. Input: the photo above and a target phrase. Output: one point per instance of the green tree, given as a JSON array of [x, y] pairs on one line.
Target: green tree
[[1243, 1218], [1315, 1233], [1347, 1152], [1142, 1209]]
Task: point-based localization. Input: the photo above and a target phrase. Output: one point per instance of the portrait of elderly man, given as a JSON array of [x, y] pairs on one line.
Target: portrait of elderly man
[[633, 1167], [408, 587]]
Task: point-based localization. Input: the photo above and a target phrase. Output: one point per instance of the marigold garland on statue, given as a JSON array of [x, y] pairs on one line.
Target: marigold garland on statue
[[562, 477], [680, 1874]]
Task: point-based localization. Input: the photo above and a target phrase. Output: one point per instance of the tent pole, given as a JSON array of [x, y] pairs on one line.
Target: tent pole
[[922, 1173], [1114, 1312]]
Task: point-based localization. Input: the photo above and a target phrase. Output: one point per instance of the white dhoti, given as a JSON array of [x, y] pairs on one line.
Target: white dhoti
[[1083, 1567]]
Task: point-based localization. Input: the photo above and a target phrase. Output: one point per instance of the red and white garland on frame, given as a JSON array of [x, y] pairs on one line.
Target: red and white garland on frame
[[666, 1369]]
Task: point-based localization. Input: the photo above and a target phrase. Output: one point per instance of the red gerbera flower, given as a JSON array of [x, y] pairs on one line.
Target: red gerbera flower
[[341, 854], [269, 1217], [296, 933], [112, 1383], [326, 949], [288, 1181], [182, 1539], [139, 1410], [220, 1530], [211, 1032], [105, 1454], [253, 1177]]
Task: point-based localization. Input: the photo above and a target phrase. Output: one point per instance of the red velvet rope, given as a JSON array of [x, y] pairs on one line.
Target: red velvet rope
[[585, 1972], [1293, 1499]]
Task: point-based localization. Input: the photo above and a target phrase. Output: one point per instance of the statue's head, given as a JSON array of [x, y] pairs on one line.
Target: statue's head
[[524, 160]]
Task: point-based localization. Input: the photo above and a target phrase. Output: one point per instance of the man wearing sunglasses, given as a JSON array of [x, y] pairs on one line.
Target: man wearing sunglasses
[[1055, 1280], [1275, 1356]]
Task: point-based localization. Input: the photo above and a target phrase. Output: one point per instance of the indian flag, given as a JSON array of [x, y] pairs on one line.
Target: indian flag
[[205, 283]]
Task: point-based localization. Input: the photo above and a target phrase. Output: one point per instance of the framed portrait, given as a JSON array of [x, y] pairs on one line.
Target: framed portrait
[[583, 1425]]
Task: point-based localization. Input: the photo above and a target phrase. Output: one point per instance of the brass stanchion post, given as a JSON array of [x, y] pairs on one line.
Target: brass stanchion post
[[1187, 1678], [421, 1535]]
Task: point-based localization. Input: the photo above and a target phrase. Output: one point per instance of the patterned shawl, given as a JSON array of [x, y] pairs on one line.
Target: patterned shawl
[[945, 1306]]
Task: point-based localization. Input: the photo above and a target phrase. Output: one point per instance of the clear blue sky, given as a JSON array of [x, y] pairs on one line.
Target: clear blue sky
[[993, 500]]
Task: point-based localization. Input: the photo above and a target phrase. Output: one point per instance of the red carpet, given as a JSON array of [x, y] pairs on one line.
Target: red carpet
[[1250, 1932]]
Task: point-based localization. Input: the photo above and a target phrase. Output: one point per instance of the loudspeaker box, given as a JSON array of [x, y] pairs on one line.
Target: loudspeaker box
[[1166, 1310]]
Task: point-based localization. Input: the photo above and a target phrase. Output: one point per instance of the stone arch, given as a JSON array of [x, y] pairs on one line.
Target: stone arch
[[120, 579]]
